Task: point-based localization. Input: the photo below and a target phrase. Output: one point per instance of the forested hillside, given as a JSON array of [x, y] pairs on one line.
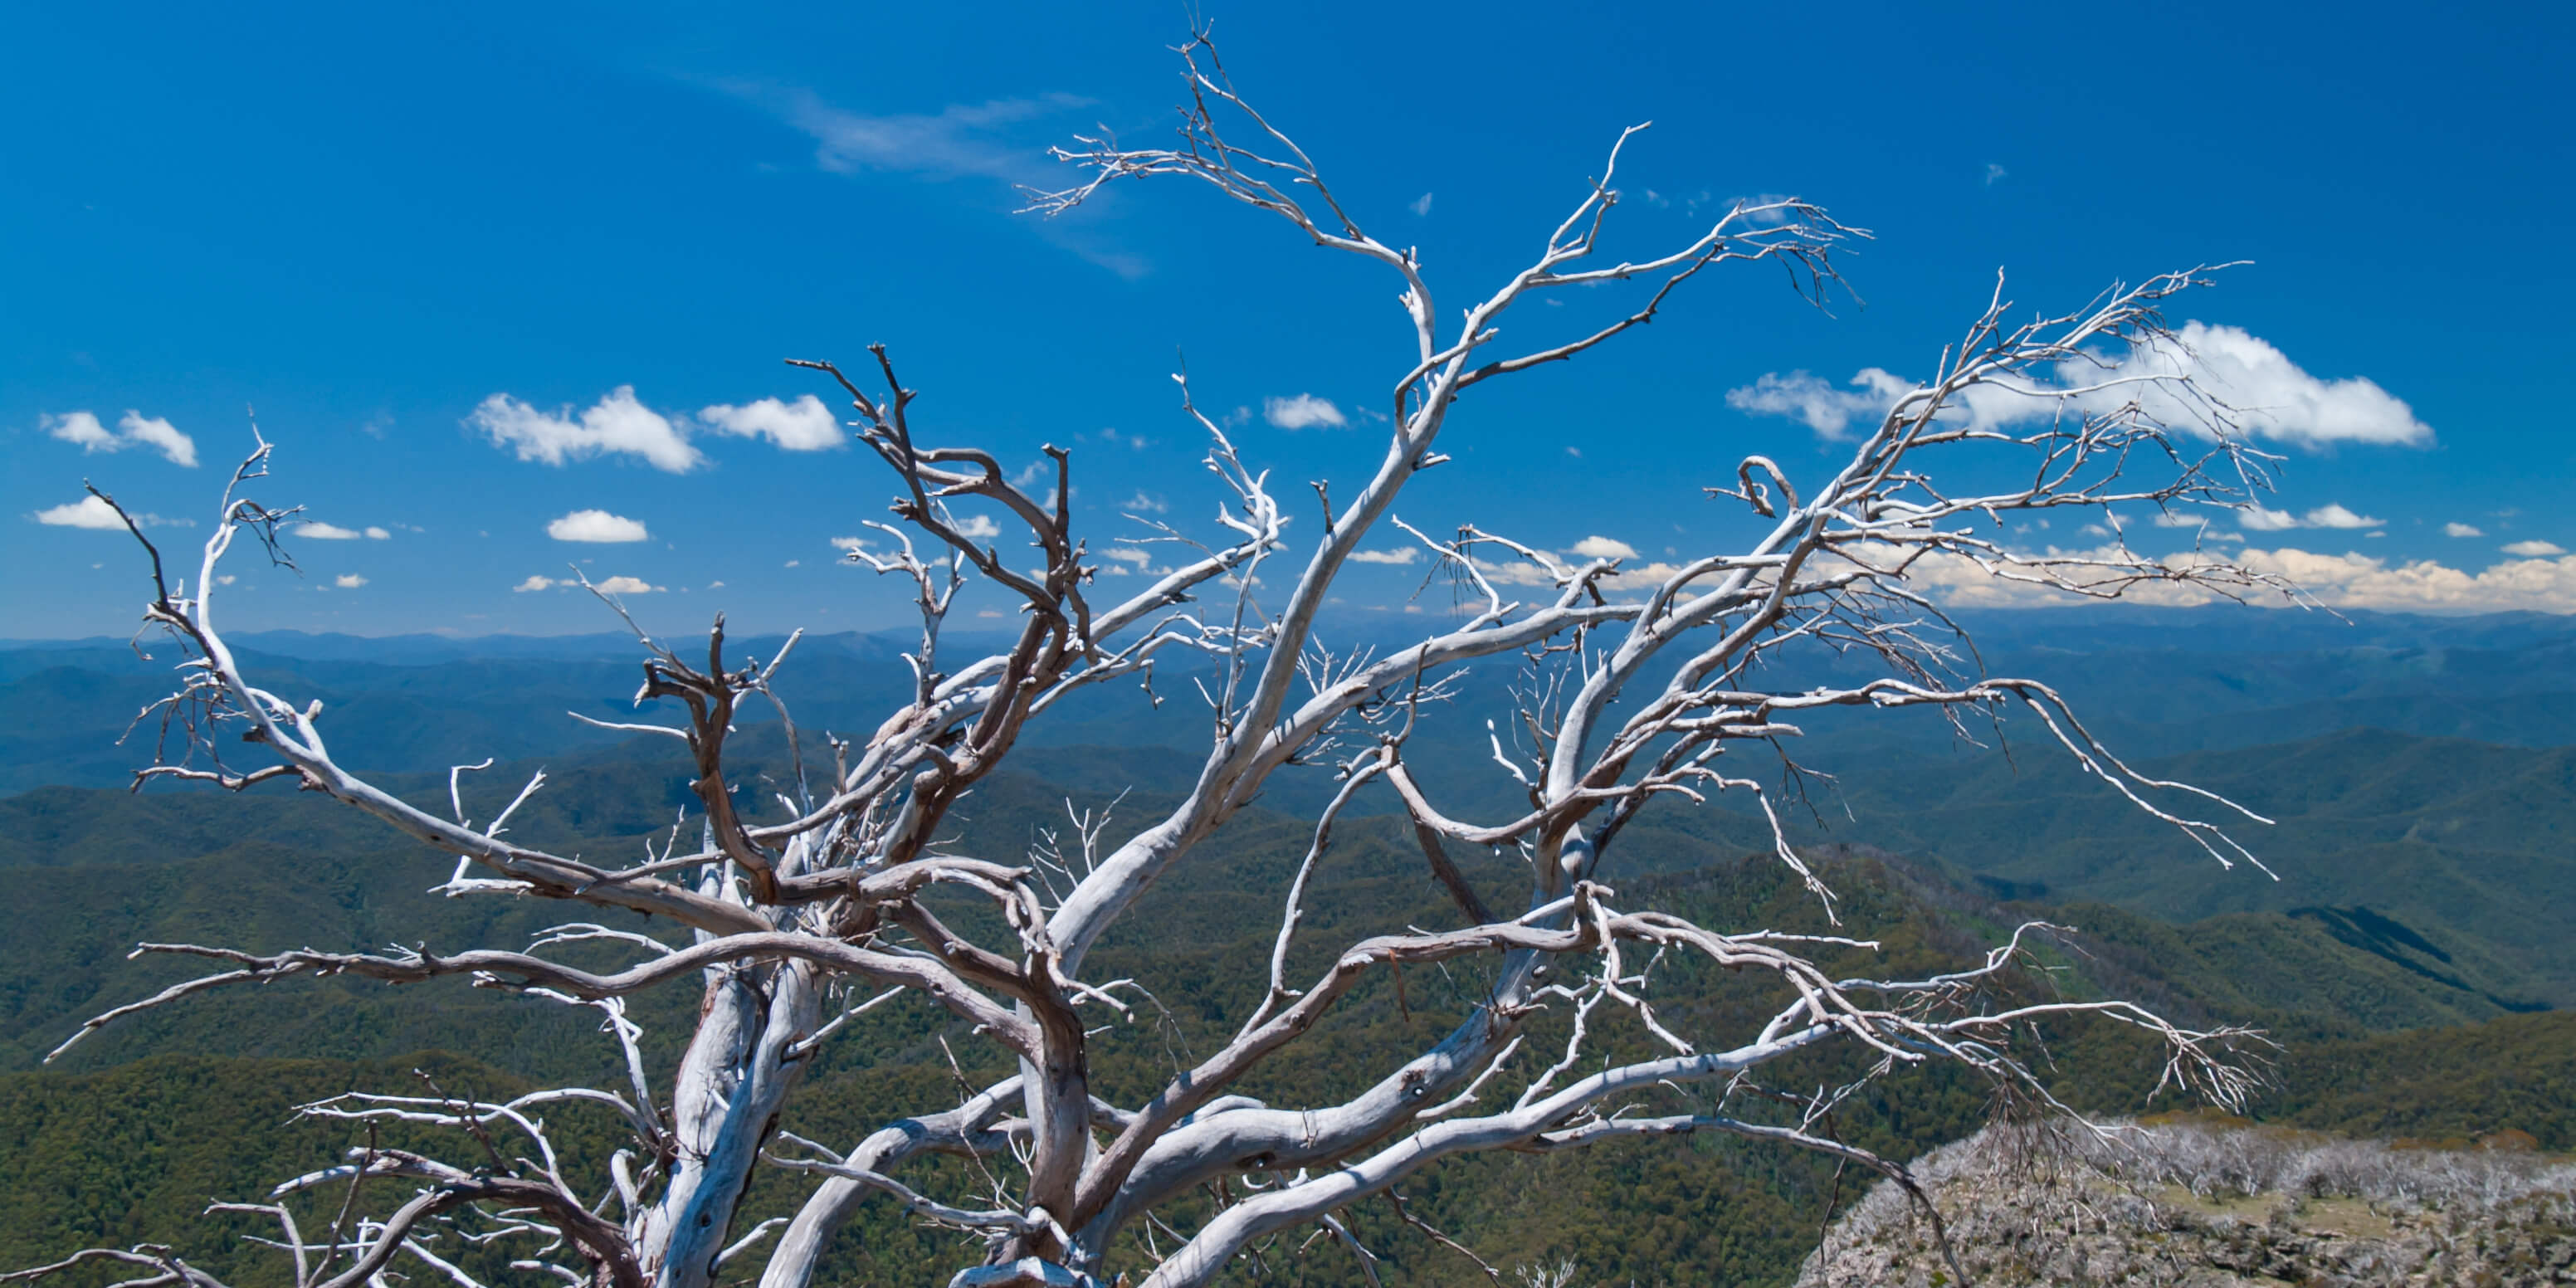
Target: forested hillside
[[2409, 957]]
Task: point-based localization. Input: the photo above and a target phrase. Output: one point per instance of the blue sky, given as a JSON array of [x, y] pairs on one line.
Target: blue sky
[[424, 243]]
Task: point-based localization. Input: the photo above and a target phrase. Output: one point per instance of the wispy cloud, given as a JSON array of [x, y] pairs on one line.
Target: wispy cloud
[[134, 429], [2264, 394], [1995, 174], [1399, 556], [330, 532], [1305, 411], [1817, 404], [1420, 206], [1001, 141], [961, 139]]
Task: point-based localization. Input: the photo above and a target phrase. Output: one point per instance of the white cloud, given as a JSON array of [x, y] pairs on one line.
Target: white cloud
[[160, 435], [597, 527], [375, 533], [2180, 519], [81, 428], [1305, 411], [805, 425], [617, 423], [90, 512], [1820, 406], [964, 140], [2462, 530], [1995, 173], [961, 140], [2267, 395], [2533, 549], [977, 527], [1420, 206], [2357, 581], [1603, 548], [134, 429], [2254, 518], [536, 583], [1399, 556], [327, 532], [2335, 516], [793, 562], [1136, 555], [1144, 503], [850, 544], [348, 581], [626, 586], [2349, 580]]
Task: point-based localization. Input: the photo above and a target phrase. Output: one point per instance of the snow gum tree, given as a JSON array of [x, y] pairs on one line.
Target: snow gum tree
[[1653, 688]]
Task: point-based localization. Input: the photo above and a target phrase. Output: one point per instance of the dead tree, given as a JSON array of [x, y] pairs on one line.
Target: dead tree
[[1657, 692]]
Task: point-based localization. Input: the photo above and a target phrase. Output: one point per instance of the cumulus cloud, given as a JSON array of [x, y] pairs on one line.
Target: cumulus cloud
[[2349, 580], [1136, 555], [977, 527], [2180, 519], [1820, 406], [2462, 530], [2264, 393], [537, 583], [805, 425], [83, 430], [616, 424], [1399, 556], [627, 586], [375, 533], [597, 527], [851, 545], [1603, 548], [1144, 503], [2255, 518], [2533, 549], [134, 429], [2424, 585], [90, 512], [2335, 516], [348, 581], [327, 532], [1305, 411]]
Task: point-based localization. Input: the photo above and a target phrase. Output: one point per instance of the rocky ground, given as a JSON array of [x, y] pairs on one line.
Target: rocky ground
[[2211, 1205]]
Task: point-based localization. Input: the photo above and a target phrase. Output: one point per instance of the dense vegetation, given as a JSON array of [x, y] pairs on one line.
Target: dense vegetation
[[2405, 961]]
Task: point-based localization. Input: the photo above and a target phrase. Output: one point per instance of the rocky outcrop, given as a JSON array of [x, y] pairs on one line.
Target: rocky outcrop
[[2210, 1206]]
